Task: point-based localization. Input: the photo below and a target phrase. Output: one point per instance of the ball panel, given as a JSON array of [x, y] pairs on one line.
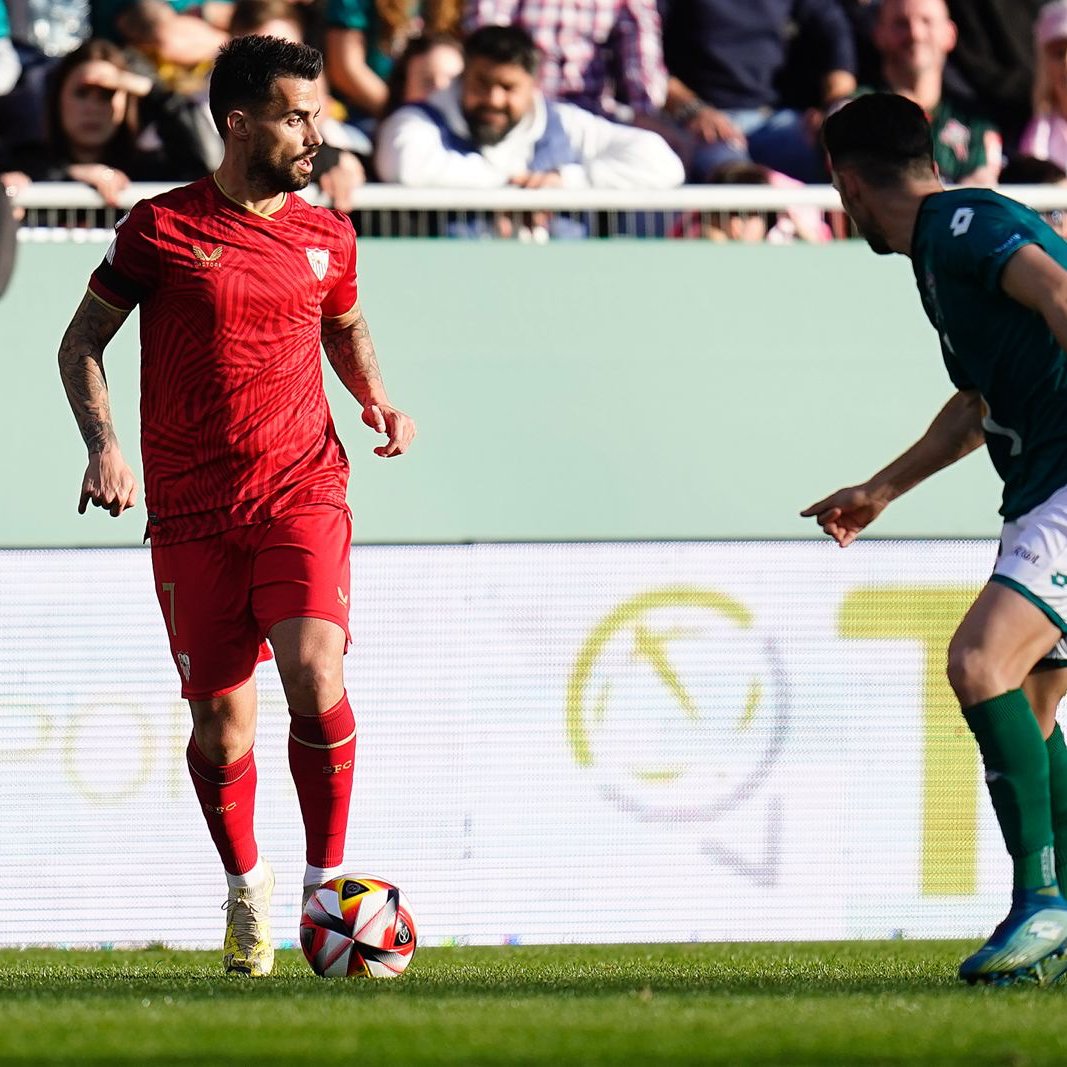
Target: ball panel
[[386, 964], [324, 909], [374, 923], [332, 958], [381, 968]]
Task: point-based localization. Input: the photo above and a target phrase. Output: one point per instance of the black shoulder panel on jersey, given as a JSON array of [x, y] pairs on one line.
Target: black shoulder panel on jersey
[[119, 284]]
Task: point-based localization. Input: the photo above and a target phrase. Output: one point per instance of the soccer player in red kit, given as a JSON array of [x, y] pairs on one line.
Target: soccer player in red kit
[[238, 282]]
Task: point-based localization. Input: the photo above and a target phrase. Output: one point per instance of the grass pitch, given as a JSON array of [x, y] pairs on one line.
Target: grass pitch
[[854, 1003]]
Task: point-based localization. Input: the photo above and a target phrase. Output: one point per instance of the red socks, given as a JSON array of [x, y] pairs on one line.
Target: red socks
[[322, 751], [227, 797]]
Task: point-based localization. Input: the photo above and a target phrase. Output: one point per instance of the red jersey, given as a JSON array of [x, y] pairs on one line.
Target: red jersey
[[235, 427]]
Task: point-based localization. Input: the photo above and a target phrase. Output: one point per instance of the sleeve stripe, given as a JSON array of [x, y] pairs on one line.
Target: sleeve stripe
[[100, 300]]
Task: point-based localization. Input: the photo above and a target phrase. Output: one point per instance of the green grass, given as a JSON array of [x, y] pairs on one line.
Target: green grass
[[833, 1003]]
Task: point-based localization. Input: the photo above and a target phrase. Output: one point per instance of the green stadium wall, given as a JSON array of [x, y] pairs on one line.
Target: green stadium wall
[[601, 390]]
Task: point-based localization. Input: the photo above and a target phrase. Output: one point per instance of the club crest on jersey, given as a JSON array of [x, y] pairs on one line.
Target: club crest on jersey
[[319, 258], [207, 259]]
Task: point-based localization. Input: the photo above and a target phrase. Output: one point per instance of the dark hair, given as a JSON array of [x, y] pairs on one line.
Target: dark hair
[[504, 44], [882, 136], [247, 68], [417, 46], [1027, 170], [118, 151]]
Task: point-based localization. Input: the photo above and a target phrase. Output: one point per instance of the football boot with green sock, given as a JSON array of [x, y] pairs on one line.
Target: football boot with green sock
[[1028, 946]]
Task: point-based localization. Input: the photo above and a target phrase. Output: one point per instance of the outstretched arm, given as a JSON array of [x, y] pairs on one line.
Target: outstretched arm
[[350, 351], [955, 432], [108, 482]]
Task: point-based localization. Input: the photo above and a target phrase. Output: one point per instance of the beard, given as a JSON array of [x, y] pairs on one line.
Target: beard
[[877, 243], [276, 175], [866, 228], [485, 133]]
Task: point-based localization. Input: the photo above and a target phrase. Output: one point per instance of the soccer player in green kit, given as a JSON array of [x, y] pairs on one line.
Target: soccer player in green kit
[[993, 281]]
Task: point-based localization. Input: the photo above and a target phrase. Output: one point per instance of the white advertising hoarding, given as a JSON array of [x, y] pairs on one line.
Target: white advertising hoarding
[[576, 742]]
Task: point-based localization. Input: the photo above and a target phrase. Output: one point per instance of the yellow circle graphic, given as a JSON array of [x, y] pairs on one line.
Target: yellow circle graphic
[[677, 703]]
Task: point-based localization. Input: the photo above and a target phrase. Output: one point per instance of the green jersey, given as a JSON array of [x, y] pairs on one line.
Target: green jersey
[[960, 140], [962, 241]]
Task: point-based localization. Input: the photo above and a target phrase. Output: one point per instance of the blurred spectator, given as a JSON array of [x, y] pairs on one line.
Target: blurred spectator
[[1046, 134], [429, 62], [10, 66], [603, 55], [863, 14], [35, 40], [49, 27], [170, 33], [268, 18], [755, 227], [991, 68], [364, 37], [1026, 170], [724, 58], [1029, 170], [915, 38], [92, 121], [493, 127]]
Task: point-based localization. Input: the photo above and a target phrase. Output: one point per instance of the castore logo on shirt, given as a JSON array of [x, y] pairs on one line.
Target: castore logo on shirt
[[206, 259]]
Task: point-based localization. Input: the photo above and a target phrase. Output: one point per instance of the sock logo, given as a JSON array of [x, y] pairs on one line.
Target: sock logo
[[337, 768], [213, 809]]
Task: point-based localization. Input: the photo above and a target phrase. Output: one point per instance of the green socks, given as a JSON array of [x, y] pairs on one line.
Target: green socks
[[1017, 773], [1057, 785]]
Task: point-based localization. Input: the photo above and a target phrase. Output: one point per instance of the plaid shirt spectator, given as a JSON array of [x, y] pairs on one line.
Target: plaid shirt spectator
[[604, 55]]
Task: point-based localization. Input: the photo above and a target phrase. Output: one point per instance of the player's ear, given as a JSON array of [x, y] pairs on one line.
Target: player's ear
[[237, 124]]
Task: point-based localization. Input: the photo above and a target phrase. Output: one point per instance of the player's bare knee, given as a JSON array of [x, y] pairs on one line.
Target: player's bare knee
[[222, 741], [973, 674], [312, 686]]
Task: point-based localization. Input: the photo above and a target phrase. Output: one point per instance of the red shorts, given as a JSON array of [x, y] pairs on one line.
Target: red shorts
[[221, 595]]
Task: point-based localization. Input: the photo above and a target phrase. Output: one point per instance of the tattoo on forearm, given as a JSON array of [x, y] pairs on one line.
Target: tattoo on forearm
[[350, 351], [81, 366]]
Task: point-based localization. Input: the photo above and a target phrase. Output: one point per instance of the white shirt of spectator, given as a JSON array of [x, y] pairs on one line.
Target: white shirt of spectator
[[411, 150]]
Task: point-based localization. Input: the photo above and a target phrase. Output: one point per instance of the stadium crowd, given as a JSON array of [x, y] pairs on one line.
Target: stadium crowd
[[628, 94]]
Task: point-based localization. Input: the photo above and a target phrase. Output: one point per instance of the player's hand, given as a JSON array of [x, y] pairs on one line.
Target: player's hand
[[844, 514], [384, 418], [108, 483]]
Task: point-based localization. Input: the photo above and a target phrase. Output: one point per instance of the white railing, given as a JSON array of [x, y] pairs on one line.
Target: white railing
[[60, 196], [70, 211]]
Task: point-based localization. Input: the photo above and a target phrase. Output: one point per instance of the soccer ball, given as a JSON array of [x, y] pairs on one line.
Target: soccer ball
[[357, 926]]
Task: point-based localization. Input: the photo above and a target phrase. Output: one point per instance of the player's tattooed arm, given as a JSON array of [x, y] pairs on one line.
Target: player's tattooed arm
[[108, 481], [350, 350], [81, 366]]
